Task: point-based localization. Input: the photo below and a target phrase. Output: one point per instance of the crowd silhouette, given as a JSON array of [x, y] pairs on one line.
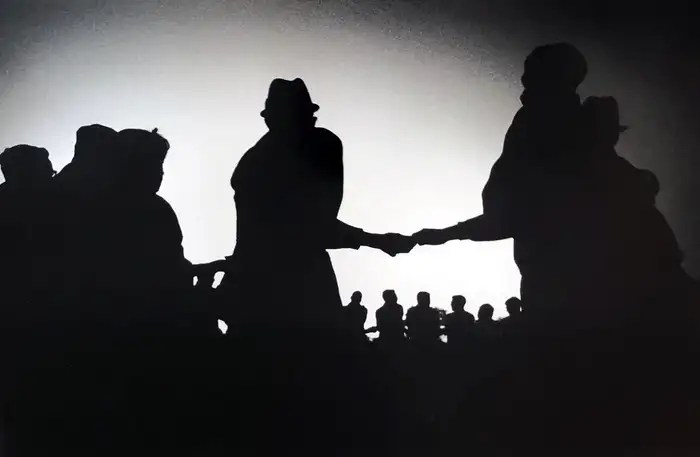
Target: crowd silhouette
[[109, 334]]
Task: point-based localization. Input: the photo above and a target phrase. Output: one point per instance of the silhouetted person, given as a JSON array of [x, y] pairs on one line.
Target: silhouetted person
[[631, 244], [356, 316], [512, 323], [518, 197], [459, 323], [280, 291], [486, 328], [28, 256], [151, 234], [27, 234], [86, 190], [423, 321], [390, 319], [26, 223], [288, 190], [151, 308]]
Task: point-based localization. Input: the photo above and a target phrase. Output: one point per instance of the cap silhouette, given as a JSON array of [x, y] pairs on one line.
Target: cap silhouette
[[91, 139], [23, 158], [285, 95], [142, 144]]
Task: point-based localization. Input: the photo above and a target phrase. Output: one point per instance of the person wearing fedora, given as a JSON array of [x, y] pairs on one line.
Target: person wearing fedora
[[288, 190], [279, 294]]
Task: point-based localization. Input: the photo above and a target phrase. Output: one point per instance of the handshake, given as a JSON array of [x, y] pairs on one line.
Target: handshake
[[395, 243]]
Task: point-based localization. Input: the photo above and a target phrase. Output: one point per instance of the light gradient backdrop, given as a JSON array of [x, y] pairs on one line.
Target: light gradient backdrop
[[420, 96]]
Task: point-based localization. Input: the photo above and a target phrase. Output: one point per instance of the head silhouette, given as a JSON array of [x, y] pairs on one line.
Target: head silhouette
[[390, 297], [288, 107], [356, 297], [26, 166], [513, 306], [458, 303], [93, 143], [556, 67], [423, 299], [601, 119], [144, 153], [486, 312]]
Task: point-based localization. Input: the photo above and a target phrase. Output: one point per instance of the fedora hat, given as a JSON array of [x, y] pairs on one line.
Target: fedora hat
[[286, 95], [604, 111]]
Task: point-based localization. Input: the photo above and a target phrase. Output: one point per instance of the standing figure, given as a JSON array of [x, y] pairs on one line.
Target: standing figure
[[458, 323], [390, 319], [279, 295], [423, 321], [522, 198], [288, 190], [356, 316]]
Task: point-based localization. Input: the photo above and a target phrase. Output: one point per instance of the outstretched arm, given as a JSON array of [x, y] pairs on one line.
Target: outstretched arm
[[340, 235], [479, 228], [347, 236]]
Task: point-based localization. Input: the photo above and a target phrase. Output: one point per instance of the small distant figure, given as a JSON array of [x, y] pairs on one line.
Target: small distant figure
[[355, 316], [459, 323], [390, 319], [514, 307], [423, 321], [486, 328], [510, 323]]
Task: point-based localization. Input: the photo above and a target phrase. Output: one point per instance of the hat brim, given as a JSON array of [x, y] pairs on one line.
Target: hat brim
[[311, 109]]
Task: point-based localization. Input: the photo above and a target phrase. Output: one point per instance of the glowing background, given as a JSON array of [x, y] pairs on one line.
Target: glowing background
[[420, 102]]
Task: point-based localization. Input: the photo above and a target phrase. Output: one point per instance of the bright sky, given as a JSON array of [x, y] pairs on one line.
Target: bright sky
[[421, 128]]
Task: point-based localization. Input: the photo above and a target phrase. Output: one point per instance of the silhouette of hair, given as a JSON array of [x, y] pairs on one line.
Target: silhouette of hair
[[555, 66], [459, 300], [485, 312], [389, 295], [356, 296], [513, 305], [423, 297]]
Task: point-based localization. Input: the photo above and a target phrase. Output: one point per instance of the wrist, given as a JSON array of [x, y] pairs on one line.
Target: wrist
[[371, 240], [461, 231]]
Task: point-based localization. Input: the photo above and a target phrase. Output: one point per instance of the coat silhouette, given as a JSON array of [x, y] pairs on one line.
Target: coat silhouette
[[288, 190]]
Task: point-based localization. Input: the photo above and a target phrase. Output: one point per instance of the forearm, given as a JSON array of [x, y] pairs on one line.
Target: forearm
[[482, 228], [348, 237]]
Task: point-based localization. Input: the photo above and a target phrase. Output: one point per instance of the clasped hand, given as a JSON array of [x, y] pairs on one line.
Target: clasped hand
[[429, 237], [395, 243]]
